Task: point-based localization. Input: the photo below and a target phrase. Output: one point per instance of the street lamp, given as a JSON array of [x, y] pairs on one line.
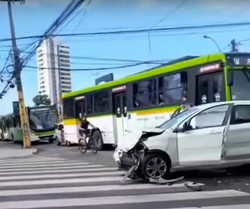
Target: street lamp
[[208, 37]]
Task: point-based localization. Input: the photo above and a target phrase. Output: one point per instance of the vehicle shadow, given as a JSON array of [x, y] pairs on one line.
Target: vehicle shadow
[[215, 176]]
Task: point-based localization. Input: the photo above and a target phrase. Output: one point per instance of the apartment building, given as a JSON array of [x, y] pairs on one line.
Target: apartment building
[[53, 59]]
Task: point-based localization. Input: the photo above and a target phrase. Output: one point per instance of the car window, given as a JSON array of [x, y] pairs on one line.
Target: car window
[[240, 114], [211, 117]]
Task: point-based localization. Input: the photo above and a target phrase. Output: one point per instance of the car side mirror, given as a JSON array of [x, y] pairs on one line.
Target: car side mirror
[[186, 127], [230, 78], [181, 128]]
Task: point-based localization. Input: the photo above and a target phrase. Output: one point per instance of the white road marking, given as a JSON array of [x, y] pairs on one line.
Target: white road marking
[[52, 176], [116, 200], [65, 190]]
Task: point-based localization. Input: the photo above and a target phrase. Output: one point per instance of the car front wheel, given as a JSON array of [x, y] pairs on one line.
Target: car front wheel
[[155, 166]]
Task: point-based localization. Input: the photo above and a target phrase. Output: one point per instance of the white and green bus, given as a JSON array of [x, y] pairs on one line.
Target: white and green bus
[[42, 122], [147, 99]]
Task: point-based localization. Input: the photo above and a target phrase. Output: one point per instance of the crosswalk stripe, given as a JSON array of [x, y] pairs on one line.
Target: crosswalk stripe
[[117, 200], [243, 206], [58, 171], [44, 165], [35, 162], [51, 176], [52, 168], [64, 190], [59, 181], [31, 159]]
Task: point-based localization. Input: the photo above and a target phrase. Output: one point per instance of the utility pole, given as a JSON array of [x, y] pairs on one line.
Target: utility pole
[[17, 75]]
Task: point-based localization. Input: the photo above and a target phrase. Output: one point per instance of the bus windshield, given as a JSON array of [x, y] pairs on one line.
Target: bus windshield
[[241, 85], [42, 120]]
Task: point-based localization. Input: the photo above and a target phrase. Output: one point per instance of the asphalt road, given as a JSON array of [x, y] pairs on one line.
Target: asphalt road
[[62, 177]]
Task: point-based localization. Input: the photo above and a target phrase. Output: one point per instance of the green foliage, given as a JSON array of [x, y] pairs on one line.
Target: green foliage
[[41, 100]]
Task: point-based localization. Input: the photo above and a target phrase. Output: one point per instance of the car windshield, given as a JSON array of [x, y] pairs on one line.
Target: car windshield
[[180, 117], [43, 120]]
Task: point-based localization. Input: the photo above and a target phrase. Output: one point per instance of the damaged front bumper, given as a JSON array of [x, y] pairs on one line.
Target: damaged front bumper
[[130, 160]]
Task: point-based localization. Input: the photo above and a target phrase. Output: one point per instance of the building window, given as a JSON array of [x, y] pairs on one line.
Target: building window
[[66, 47], [144, 93], [64, 56], [64, 65], [65, 91], [66, 78], [101, 102], [66, 82], [66, 87], [65, 74], [173, 89]]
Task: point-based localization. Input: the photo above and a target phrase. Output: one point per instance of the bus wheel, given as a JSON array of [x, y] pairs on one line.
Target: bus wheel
[[97, 136]]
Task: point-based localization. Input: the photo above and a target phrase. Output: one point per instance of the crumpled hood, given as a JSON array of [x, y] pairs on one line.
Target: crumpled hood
[[130, 139]]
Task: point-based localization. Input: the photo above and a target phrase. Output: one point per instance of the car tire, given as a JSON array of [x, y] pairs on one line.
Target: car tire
[[155, 165], [97, 136]]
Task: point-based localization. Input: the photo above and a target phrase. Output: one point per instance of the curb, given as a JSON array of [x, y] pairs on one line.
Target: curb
[[18, 153]]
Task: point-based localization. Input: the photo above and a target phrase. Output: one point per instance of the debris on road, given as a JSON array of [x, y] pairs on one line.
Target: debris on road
[[165, 181], [193, 186]]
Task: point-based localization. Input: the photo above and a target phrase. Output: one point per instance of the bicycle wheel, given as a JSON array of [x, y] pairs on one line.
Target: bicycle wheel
[[93, 145], [82, 145]]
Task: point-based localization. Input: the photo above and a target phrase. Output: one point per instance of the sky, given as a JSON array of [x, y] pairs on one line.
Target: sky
[[35, 16]]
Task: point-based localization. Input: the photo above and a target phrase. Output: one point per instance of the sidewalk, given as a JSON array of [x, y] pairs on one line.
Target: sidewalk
[[10, 150]]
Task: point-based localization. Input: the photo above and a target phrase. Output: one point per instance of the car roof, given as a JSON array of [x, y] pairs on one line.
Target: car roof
[[238, 102]]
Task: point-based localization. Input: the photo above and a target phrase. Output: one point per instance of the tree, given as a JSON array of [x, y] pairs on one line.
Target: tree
[[41, 100]]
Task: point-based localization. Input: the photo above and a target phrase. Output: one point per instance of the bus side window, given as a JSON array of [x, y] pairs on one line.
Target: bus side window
[[89, 104], [80, 108], [144, 93], [68, 108], [172, 89]]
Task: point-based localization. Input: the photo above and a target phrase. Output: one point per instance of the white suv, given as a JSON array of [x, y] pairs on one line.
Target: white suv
[[210, 134]]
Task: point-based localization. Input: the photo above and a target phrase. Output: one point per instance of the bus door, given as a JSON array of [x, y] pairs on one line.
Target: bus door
[[210, 88], [120, 111]]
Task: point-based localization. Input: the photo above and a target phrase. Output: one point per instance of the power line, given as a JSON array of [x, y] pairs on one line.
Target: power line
[[172, 12], [74, 16], [136, 31], [106, 58], [73, 5], [92, 69]]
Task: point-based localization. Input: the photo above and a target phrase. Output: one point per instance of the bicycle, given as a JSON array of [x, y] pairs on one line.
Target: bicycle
[[86, 142]]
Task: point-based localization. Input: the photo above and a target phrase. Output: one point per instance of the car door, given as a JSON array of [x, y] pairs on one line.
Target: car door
[[202, 141], [237, 145]]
